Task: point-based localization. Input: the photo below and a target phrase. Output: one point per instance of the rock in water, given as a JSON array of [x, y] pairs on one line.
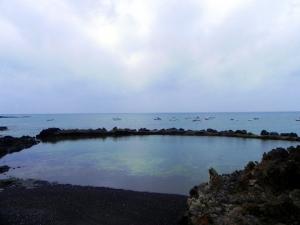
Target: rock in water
[[10, 144], [4, 169], [2, 128]]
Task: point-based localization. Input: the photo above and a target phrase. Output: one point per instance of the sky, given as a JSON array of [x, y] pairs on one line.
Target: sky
[[90, 56]]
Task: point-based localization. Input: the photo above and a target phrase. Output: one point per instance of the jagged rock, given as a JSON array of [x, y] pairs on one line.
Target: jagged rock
[[2, 128], [10, 144], [4, 169], [263, 193], [264, 133]]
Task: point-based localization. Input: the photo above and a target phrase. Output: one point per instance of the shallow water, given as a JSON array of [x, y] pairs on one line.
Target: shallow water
[[165, 164], [278, 121]]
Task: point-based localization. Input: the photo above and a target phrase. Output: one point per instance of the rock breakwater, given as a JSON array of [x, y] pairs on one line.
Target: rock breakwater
[[56, 134]]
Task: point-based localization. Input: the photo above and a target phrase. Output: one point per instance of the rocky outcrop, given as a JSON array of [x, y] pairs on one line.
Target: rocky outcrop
[[2, 128], [57, 134], [10, 144], [263, 193], [4, 169]]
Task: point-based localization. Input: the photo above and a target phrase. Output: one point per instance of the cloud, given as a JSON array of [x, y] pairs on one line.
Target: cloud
[[136, 56]]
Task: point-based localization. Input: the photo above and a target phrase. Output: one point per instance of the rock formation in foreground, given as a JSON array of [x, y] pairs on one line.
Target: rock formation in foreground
[[263, 193]]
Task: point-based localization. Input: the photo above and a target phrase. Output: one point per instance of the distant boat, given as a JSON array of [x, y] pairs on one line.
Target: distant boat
[[196, 120], [157, 118], [50, 120], [297, 119], [116, 119], [250, 120], [256, 118], [231, 119], [210, 118]]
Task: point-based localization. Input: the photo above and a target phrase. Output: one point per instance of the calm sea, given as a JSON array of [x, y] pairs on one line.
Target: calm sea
[[166, 164], [255, 122]]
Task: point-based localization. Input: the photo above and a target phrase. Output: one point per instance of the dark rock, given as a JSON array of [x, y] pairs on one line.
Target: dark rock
[[278, 153], [263, 193], [4, 169], [264, 133], [194, 192], [209, 130], [243, 132], [143, 130], [289, 135], [48, 133], [274, 134], [10, 144], [3, 128]]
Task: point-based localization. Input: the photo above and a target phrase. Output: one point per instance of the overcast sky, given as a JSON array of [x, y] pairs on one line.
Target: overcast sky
[[149, 55]]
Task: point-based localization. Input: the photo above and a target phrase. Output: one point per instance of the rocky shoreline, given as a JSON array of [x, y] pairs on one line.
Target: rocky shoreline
[[10, 144], [57, 134], [263, 193]]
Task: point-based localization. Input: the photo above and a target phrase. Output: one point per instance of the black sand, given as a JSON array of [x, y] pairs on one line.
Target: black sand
[[77, 205]]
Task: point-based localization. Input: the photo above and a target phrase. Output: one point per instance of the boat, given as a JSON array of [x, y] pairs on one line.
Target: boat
[[157, 118], [116, 119], [210, 118], [197, 119]]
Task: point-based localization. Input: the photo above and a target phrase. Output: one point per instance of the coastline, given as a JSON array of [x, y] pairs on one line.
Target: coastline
[[225, 199], [57, 134]]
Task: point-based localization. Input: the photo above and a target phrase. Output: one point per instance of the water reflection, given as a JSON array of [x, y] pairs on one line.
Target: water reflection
[[166, 164]]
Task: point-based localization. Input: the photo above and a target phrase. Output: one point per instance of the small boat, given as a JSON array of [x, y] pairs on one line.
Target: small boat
[[50, 120], [157, 118], [250, 120], [196, 120], [231, 119], [256, 118], [210, 118], [116, 119], [298, 120]]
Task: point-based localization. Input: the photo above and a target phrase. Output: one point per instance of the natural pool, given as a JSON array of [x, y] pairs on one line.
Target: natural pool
[[166, 164]]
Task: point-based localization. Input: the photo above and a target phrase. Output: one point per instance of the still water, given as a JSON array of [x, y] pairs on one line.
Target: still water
[[165, 164]]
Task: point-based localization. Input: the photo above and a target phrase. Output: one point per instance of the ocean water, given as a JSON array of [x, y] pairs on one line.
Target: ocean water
[[272, 121], [164, 164]]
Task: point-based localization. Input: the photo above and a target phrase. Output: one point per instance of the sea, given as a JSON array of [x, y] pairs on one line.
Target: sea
[[162, 164]]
